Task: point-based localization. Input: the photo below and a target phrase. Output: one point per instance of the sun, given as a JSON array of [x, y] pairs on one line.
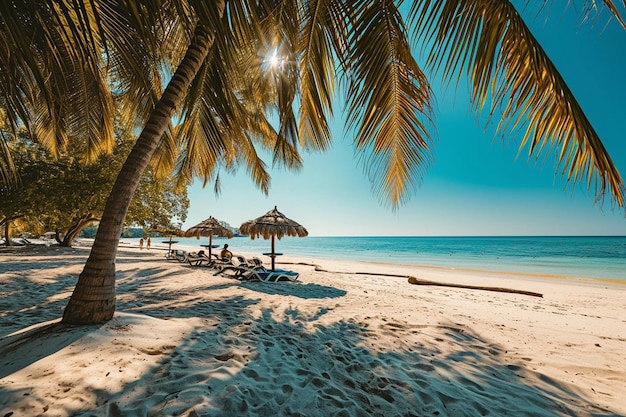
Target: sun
[[274, 61]]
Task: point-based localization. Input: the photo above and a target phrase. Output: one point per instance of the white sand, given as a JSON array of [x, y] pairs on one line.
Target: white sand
[[184, 342]]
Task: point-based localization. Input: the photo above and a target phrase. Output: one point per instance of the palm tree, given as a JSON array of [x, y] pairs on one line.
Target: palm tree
[[362, 43], [215, 110]]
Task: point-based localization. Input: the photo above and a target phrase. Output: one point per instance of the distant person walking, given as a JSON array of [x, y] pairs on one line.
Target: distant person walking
[[140, 243], [148, 243]]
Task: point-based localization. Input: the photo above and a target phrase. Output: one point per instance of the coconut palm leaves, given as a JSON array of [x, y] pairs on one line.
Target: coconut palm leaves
[[491, 44], [67, 55], [59, 61], [52, 79], [389, 101], [224, 120], [323, 31]]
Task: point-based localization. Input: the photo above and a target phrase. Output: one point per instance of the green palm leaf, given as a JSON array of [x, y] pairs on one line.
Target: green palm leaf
[[489, 42], [389, 101], [322, 31]]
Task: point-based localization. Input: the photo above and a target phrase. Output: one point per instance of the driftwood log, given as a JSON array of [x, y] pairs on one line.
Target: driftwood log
[[417, 281]]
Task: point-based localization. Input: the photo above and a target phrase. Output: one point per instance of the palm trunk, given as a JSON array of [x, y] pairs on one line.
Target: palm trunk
[[93, 299]]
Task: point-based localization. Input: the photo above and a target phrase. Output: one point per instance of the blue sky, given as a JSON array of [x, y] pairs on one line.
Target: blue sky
[[476, 186]]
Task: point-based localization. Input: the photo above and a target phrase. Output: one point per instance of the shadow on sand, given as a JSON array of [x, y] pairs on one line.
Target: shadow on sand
[[272, 361]]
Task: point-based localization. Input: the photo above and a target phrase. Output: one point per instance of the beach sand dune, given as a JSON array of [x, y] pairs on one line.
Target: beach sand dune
[[185, 342]]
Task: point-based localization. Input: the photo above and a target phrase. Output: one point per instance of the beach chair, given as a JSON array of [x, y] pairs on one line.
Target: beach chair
[[268, 275], [220, 263], [240, 269], [183, 255], [256, 261], [196, 259], [244, 272], [252, 263], [175, 255]]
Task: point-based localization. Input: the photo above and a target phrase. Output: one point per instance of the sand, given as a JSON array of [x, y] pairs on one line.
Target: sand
[[184, 342]]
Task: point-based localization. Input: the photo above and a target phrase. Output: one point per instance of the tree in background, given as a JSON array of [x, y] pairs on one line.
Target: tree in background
[[65, 194], [20, 199], [158, 203]]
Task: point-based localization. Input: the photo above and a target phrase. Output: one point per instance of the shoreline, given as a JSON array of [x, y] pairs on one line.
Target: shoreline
[[526, 276], [85, 243], [570, 265], [184, 341]]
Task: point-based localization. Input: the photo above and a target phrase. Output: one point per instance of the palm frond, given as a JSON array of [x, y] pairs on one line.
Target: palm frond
[[610, 4], [504, 62], [322, 26], [8, 176], [278, 68], [146, 41], [224, 116], [199, 134], [287, 83], [389, 102], [226, 112], [56, 66]]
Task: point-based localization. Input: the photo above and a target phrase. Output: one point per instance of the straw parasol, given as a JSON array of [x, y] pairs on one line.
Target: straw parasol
[[168, 231], [209, 227], [272, 224]]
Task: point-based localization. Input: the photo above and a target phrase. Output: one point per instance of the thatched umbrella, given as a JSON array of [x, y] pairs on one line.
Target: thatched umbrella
[[272, 224], [170, 232], [209, 227]]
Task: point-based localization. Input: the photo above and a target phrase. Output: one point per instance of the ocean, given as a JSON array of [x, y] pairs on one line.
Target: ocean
[[592, 257]]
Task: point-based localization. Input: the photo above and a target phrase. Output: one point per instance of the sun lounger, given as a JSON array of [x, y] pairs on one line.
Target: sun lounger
[[256, 261], [221, 263], [239, 271], [258, 273], [196, 259], [201, 259], [175, 255], [272, 276], [252, 263], [239, 267], [183, 255]]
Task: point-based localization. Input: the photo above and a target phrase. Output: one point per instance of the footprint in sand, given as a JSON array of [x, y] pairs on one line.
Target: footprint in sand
[[225, 357]]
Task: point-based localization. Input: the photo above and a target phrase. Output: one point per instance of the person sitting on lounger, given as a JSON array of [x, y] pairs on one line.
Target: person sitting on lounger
[[225, 254]]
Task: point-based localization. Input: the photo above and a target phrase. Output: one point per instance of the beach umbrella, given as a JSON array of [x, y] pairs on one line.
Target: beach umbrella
[[209, 227], [170, 232], [272, 224]]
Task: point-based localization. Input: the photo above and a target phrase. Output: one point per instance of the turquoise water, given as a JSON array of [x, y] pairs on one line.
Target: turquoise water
[[595, 257]]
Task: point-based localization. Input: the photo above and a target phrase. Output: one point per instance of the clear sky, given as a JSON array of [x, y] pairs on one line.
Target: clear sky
[[476, 186]]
